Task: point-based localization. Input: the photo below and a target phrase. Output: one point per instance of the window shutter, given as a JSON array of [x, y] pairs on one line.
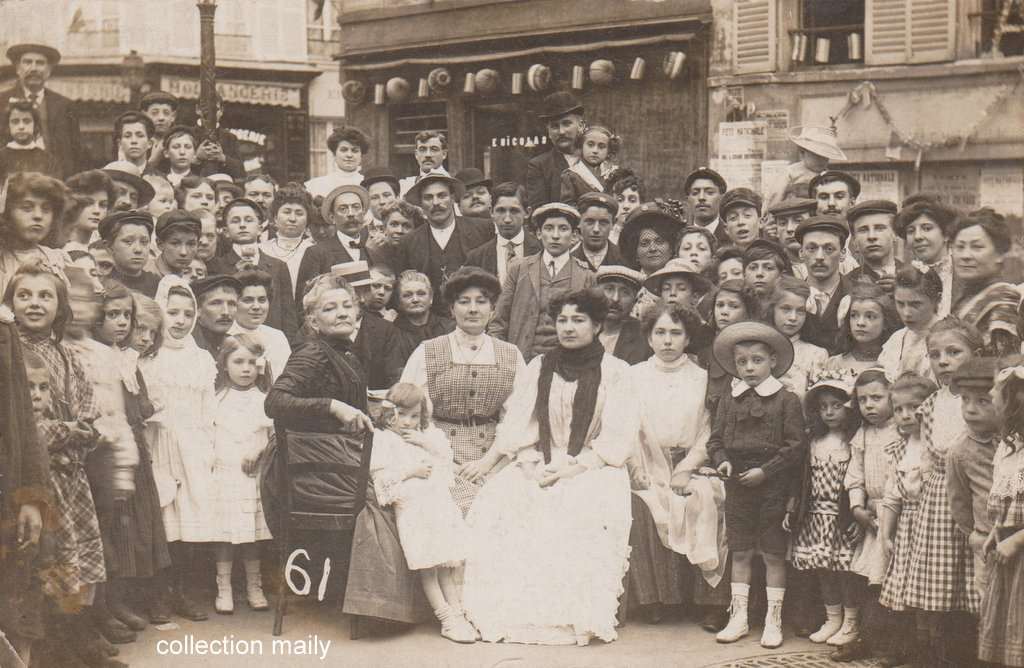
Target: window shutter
[[909, 31], [754, 42]]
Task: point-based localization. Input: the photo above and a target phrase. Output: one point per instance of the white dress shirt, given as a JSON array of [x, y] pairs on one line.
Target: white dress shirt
[[559, 262], [444, 234], [351, 244], [517, 244]]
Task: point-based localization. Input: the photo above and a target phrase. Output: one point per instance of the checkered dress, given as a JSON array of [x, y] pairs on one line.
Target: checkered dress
[[79, 544], [895, 583], [461, 392], [821, 542], [940, 567]]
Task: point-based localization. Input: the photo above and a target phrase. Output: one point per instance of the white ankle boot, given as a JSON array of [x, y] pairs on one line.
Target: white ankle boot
[[833, 622], [849, 631], [455, 627], [771, 637], [225, 603], [737, 626], [254, 586]]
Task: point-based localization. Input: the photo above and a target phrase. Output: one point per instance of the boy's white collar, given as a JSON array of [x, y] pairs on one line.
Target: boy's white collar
[[765, 388]]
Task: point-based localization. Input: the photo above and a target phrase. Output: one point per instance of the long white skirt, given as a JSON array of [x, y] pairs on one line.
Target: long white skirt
[[546, 565]]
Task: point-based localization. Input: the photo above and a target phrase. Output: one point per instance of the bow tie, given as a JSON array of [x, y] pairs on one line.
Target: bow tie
[[353, 244]]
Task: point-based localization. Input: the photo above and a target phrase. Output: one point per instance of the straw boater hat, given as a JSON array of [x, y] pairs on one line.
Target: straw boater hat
[[356, 273], [750, 330], [327, 206], [545, 211], [609, 273], [829, 379], [817, 140], [677, 267]]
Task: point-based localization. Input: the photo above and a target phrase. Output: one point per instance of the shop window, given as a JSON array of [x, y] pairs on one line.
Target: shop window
[[322, 20], [320, 162], [831, 33], [407, 121]]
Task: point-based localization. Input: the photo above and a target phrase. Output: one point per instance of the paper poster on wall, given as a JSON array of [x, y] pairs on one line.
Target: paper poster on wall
[[777, 144], [878, 184], [1002, 188], [741, 149], [955, 185]]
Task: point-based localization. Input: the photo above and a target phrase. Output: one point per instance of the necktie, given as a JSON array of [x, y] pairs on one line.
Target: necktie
[[353, 244], [551, 268], [510, 252]]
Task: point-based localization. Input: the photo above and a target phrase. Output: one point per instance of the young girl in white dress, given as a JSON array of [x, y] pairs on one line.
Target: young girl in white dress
[[180, 381], [241, 433], [411, 467], [917, 295]]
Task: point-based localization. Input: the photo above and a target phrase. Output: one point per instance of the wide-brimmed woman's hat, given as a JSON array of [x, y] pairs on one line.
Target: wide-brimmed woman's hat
[[817, 140], [838, 381], [126, 172], [677, 267], [747, 331], [648, 215]]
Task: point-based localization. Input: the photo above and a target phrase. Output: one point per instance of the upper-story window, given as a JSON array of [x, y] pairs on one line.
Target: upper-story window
[[830, 32]]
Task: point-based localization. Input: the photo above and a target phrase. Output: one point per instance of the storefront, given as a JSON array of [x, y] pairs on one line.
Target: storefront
[[640, 69]]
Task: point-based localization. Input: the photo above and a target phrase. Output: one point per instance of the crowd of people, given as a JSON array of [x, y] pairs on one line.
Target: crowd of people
[[587, 402]]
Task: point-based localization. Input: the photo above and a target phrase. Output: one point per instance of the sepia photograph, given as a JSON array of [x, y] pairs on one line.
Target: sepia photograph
[[518, 333]]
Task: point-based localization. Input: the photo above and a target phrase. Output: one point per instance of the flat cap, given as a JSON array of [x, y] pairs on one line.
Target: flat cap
[[597, 198], [827, 223], [203, 285], [109, 226], [739, 197], [830, 175], [157, 97], [176, 219], [705, 173], [792, 205], [870, 206]]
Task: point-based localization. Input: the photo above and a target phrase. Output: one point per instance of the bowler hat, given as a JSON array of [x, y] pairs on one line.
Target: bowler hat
[[597, 198], [471, 176], [704, 173], [792, 205], [817, 140], [830, 175], [677, 267], [380, 174], [203, 285], [739, 197], [868, 207], [126, 172], [158, 97], [109, 226], [16, 51], [647, 215], [545, 211], [560, 103], [415, 194], [327, 206], [750, 330], [608, 273], [176, 219], [826, 223]]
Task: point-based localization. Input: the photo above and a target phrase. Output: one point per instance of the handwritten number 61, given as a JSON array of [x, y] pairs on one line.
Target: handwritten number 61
[[290, 568]]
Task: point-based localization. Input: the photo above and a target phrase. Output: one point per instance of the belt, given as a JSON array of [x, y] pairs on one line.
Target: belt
[[472, 421]]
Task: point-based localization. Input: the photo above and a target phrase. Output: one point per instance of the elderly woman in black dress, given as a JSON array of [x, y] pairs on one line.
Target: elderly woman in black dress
[[323, 389], [416, 321]]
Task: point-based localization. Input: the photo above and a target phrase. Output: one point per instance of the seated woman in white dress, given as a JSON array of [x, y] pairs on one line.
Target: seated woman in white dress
[[675, 514], [549, 532]]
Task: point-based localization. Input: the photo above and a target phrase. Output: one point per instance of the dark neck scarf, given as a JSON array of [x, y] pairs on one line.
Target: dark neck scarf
[[580, 365]]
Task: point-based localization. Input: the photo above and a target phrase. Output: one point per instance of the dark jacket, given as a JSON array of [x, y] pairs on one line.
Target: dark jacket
[[28, 160], [822, 329], [866, 273], [611, 258], [409, 336], [321, 256], [544, 178], [485, 255], [282, 314], [61, 132], [301, 396], [377, 348], [632, 345], [752, 431], [419, 251]]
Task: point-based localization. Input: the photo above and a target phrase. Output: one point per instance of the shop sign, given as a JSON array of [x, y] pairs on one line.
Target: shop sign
[[91, 89], [239, 92], [510, 141]]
